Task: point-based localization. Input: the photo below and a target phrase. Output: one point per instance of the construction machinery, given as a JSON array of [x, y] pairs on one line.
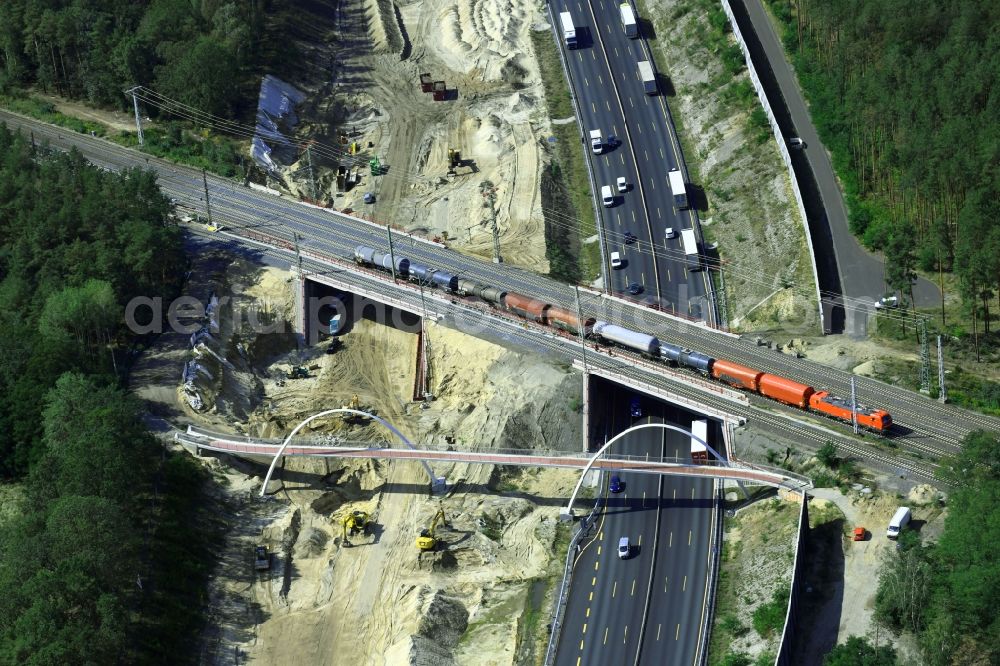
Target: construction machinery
[[356, 522], [355, 403], [375, 165], [298, 372], [427, 541], [455, 163]]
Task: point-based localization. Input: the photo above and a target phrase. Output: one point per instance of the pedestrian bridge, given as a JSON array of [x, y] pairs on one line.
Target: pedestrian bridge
[[330, 447]]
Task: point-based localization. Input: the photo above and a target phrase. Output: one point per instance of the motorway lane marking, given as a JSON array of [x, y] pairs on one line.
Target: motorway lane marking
[[598, 550], [675, 493], [637, 127], [602, 535], [662, 157], [586, 81], [594, 107], [597, 563], [593, 581], [581, 645], [640, 540], [600, 79], [643, 498], [630, 102], [689, 537], [658, 627], [660, 216], [668, 274], [654, 126], [607, 103], [625, 637], [671, 544], [616, 51], [665, 582], [619, 218], [646, 153], [614, 588], [629, 49], [578, 661], [684, 585], [632, 594], [588, 612], [652, 184], [643, 277], [585, 627], [633, 216], [692, 493], [677, 634], [622, 156], [591, 597], [606, 635]]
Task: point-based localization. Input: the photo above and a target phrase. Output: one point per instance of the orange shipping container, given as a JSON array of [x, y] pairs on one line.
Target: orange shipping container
[[785, 390], [736, 374]]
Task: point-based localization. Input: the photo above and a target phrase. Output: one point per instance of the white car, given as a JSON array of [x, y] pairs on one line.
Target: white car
[[622, 185], [616, 260], [607, 197], [671, 233], [887, 302], [624, 549]]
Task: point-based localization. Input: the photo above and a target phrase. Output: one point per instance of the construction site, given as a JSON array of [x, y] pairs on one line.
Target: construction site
[[427, 115], [342, 548]]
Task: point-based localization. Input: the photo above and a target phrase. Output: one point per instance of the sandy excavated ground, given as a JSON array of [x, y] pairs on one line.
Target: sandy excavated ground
[[495, 118], [462, 604]]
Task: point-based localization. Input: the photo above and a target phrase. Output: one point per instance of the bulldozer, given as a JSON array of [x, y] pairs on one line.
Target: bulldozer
[[427, 541], [356, 522]]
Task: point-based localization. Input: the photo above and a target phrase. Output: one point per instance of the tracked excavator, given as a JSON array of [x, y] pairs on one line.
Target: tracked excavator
[[356, 522], [427, 541]]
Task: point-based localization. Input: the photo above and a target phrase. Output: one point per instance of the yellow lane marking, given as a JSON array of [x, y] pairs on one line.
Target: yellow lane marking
[[597, 563], [588, 612], [593, 581], [585, 627], [599, 550]]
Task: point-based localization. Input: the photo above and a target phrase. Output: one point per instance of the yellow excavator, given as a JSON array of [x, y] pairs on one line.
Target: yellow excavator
[[356, 522], [355, 403], [427, 541]]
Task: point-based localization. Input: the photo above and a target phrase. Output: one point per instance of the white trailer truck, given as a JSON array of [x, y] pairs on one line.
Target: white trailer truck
[[648, 77], [677, 188], [569, 30], [690, 243], [628, 21]]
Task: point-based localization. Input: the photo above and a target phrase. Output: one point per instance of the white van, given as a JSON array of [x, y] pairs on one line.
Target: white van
[[616, 260], [898, 522], [606, 196]]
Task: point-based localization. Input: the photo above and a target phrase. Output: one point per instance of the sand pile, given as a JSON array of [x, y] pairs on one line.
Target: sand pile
[[479, 35]]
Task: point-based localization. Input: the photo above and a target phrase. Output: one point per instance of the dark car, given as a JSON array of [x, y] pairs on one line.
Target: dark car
[[635, 289], [629, 238], [635, 408], [616, 485]]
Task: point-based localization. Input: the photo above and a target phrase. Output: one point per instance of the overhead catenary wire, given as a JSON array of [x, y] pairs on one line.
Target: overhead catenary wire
[[554, 218]]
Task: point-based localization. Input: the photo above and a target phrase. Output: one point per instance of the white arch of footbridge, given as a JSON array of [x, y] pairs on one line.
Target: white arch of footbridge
[[263, 448]]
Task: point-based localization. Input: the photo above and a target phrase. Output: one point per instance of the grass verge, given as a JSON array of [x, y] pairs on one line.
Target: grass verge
[[572, 258]]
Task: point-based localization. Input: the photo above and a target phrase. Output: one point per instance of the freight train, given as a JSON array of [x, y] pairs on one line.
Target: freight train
[[778, 388]]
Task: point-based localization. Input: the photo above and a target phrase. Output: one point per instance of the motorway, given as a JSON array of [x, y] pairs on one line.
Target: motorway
[[924, 425], [610, 97], [649, 607]]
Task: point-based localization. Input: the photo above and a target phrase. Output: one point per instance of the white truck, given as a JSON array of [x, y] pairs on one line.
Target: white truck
[[699, 434], [648, 77], [898, 522], [690, 243], [677, 187], [569, 30], [596, 141], [628, 21]]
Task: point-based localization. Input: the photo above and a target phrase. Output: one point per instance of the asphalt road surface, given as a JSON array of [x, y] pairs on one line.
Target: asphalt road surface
[[925, 424], [860, 272], [647, 608], [605, 77]]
